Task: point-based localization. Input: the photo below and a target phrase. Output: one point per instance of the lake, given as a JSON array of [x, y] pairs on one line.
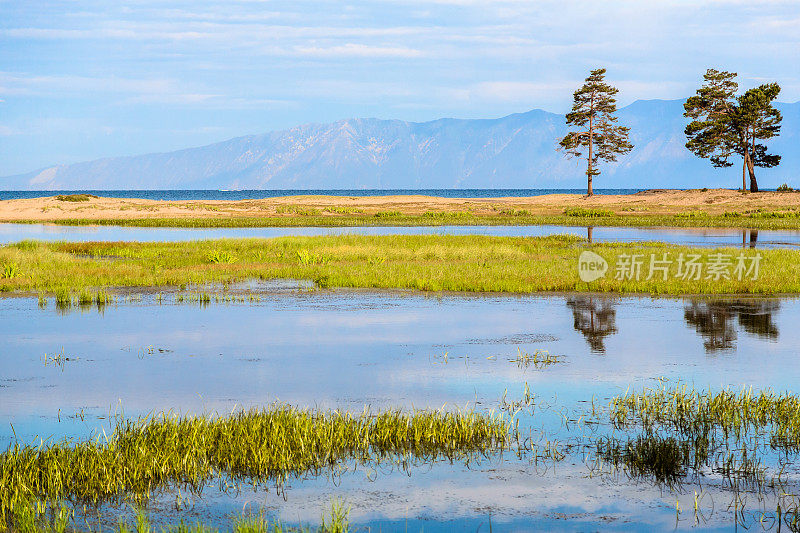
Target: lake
[[354, 348], [10, 233]]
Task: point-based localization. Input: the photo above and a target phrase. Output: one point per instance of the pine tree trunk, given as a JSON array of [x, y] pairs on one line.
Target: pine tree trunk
[[751, 169], [744, 172], [589, 168]]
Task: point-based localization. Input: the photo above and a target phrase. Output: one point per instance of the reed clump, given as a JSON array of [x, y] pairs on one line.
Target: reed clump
[[261, 447], [740, 435], [735, 414]]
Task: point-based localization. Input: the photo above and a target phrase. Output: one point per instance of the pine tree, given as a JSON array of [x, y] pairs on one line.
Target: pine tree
[[724, 124], [593, 113]]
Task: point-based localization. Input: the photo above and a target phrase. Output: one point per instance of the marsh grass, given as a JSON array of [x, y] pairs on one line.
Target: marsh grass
[[9, 270], [741, 436], [85, 298], [221, 256], [423, 262], [538, 359], [260, 448], [734, 414]]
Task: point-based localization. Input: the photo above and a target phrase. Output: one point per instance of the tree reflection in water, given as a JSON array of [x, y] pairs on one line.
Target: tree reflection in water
[[714, 320], [595, 318]]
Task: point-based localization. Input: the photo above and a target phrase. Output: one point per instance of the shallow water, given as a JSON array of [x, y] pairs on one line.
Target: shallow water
[[350, 348], [10, 233]]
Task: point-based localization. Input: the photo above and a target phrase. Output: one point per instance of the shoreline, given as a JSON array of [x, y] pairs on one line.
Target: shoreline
[[656, 208]]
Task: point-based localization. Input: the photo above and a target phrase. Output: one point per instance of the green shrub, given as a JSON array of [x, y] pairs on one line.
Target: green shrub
[[589, 213], [515, 212], [74, 197]]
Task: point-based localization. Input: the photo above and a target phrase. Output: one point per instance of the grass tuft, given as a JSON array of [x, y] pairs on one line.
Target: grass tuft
[[259, 447]]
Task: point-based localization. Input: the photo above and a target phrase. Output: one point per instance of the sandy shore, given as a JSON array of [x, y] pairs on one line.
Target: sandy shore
[[656, 202]]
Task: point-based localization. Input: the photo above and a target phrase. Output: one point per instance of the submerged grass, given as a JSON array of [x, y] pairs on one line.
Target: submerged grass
[[56, 517], [423, 262], [257, 447]]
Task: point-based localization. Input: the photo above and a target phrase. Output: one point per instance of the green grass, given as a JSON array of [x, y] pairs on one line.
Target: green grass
[[734, 414], [8, 270], [587, 213], [256, 447], [421, 262], [510, 217], [748, 438], [74, 197]]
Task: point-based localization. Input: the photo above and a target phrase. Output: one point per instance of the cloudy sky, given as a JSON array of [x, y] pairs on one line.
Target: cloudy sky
[[81, 79]]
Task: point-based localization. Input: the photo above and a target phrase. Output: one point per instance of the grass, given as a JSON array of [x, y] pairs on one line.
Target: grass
[[258, 447], [8, 270], [350, 217], [75, 197], [421, 262], [538, 359], [741, 436], [587, 213], [733, 414]]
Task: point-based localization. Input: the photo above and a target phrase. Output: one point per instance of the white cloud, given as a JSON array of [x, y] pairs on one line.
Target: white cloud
[[358, 50]]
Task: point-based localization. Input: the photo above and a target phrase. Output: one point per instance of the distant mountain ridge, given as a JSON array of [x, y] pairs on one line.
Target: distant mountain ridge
[[516, 151]]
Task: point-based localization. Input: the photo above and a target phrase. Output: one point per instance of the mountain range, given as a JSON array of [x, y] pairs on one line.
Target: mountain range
[[516, 151]]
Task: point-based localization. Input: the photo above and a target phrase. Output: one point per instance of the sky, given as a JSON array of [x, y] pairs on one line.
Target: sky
[[83, 79]]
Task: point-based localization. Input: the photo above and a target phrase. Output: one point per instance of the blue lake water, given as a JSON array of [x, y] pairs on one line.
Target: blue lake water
[[352, 348], [10, 233], [178, 195]]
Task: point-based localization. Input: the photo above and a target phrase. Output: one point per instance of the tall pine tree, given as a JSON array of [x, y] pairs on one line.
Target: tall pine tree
[[724, 124], [593, 113]]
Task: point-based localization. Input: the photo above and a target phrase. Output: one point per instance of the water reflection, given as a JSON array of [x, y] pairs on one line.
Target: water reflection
[[348, 349], [595, 318], [753, 238], [714, 321]]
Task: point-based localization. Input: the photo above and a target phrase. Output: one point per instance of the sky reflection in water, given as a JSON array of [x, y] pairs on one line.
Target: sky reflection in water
[[349, 349]]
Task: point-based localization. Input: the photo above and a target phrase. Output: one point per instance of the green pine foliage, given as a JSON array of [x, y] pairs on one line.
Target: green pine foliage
[[593, 115], [724, 124]]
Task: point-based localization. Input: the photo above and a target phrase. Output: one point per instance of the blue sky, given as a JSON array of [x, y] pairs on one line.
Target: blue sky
[[86, 79]]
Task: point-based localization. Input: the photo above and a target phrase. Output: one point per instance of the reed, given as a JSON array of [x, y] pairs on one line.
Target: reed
[[258, 447], [737, 414], [538, 359]]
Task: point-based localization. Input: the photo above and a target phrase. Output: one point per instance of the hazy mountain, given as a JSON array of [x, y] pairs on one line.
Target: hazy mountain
[[517, 151]]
